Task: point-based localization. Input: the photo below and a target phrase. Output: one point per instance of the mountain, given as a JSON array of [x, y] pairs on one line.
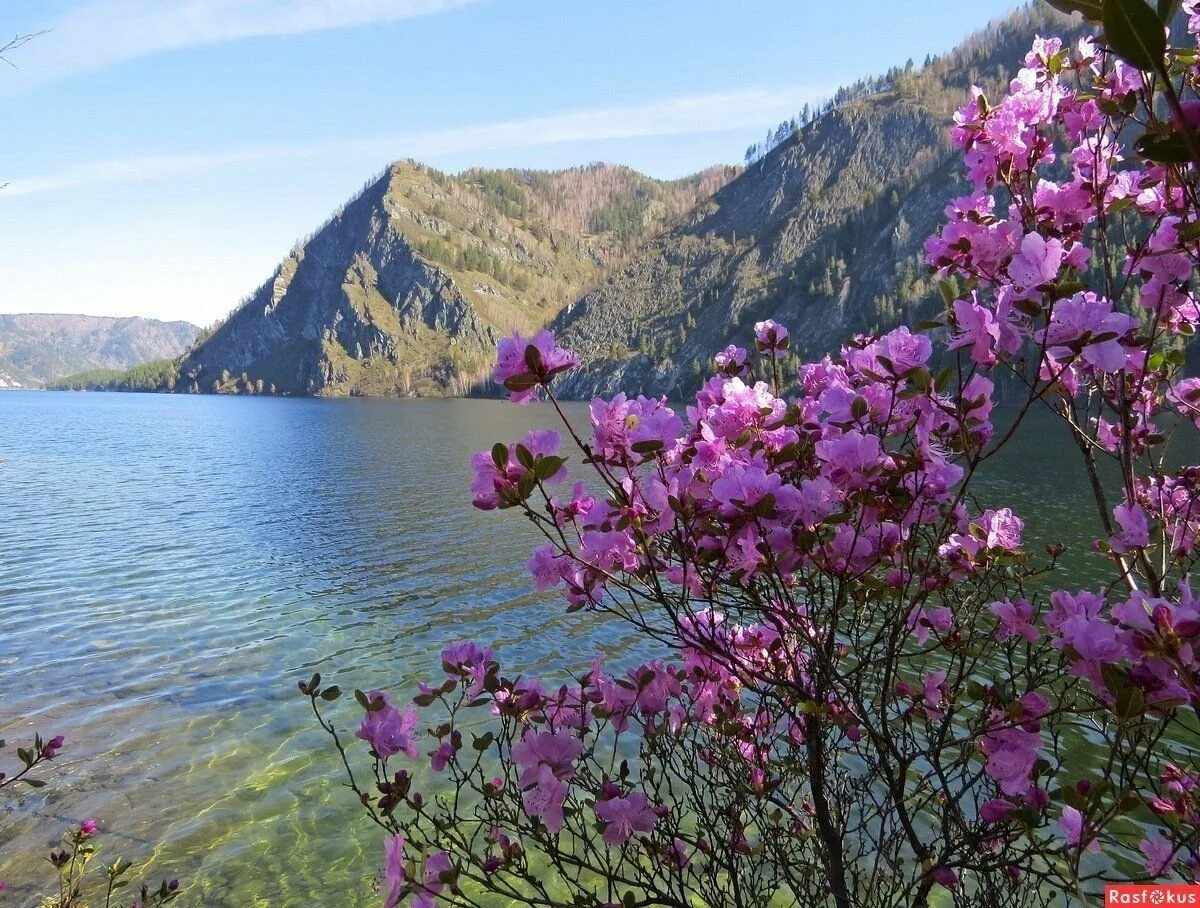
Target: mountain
[[823, 232], [407, 289], [38, 348]]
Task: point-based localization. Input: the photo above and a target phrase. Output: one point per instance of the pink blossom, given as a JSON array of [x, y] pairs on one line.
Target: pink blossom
[[772, 338], [388, 730], [945, 877], [1134, 528], [1036, 264], [1087, 322], [498, 472], [88, 828], [524, 364], [624, 816], [1186, 398], [544, 795], [731, 360], [394, 875], [1015, 620], [1159, 853], [438, 869], [997, 810], [923, 620], [1075, 830]]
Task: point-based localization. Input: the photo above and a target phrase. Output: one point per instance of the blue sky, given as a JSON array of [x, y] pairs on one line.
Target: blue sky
[[163, 155]]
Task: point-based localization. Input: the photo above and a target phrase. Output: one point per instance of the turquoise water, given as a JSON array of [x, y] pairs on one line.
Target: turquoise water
[[170, 565]]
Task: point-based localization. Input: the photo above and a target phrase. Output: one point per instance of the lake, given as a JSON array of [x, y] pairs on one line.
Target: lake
[[171, 565]]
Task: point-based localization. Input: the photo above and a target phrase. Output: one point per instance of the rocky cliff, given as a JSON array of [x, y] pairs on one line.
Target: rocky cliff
[[823, 233], [407, 289]]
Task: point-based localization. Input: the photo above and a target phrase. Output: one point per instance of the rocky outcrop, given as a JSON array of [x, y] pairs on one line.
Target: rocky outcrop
[[824, 233], [407, 289]]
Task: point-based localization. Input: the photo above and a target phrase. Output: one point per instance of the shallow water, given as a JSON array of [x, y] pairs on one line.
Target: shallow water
[[170, 565]]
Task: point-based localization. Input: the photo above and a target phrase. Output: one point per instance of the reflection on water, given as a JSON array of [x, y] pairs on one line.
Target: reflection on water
[[171, 565]]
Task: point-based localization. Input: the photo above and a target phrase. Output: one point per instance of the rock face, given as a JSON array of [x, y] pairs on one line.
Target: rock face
[[824, 233], [407, 289], [39, 348]]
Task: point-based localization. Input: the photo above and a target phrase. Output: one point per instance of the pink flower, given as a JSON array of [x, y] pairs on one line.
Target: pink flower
[[439, 758], [1134, 528], [1086, 322], [544, 796], [51, 748], [499, 472], [904, 350], [88, 828], [945, 877], [922, 620], [1037, 263], [393, 875], [388, 730], [1074, 830], [438, 871], [1015, 620], [523, 364], [997, 810], [1160, 854], [1186, 398], [467, 660], [557, 749], [624, 817], [849, 459], [731, 360], [933, 688], [772, 338]]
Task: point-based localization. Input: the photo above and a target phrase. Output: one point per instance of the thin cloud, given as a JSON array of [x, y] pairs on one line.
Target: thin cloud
[[103, 32], [689, 115]]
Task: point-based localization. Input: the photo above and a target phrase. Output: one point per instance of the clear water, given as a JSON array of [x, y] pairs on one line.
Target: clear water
[[170, 565]]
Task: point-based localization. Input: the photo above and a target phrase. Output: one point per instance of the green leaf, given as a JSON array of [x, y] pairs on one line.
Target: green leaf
[[483, 743], [646, 446], [525, 486], [1090, 9], [1170, 149], [545, 467], [521, 382], [949, 292], [331, 693], [1130, 702], [500, 456], [1135, 32], [524, 456], [859, 407], [920, 378], [1063, 289]]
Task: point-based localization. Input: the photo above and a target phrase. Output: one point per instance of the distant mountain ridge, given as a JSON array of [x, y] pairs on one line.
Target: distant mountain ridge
[[38, 348], [824, 232], [407, 289]]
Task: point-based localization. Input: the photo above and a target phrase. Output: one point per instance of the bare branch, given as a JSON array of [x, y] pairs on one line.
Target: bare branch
[[17, 41]]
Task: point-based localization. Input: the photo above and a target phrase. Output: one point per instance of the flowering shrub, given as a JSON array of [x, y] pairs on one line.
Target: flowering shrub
[[73, 860], [865, 695]]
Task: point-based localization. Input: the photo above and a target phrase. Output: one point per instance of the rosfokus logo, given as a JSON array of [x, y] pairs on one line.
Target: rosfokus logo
[[1151, 894]]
